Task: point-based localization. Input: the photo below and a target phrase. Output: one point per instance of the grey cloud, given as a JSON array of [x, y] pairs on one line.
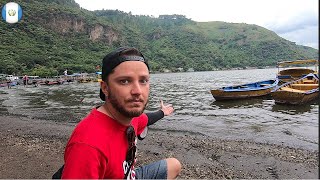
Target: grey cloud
[[302, 29], [307, 36], [301, 21]]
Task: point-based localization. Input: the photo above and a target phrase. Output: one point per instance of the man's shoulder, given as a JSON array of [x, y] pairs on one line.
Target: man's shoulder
[[140, 121], [95, 119], [92, 130]]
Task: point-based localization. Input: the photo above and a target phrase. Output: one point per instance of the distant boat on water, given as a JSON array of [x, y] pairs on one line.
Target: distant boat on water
[[293, 70], [5, 84], [99, 74]]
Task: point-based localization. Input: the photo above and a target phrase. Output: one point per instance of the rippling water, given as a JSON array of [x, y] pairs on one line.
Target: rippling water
[[196, 111]]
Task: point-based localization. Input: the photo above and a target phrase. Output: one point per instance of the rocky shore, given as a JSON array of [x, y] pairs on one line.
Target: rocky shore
[[33, 148]]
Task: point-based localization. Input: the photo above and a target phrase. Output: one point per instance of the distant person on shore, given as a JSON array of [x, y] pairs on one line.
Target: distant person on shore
[[9, 83], [65, 72], [104, 144], [25, 80]]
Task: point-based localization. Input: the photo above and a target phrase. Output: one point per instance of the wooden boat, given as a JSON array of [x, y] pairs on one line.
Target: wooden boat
[[85, 80], [5, 84], [293, 70], [51, 82], [297, 92], [255, 89], [99, 74]]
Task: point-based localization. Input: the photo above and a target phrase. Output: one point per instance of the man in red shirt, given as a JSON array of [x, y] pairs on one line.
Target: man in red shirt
[[103, 145]]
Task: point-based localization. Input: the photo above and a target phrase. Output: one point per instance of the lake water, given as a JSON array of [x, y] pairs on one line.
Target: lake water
[[196, 111]]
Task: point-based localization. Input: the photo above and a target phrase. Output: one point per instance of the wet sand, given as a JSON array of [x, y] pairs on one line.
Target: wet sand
[[33, 148]]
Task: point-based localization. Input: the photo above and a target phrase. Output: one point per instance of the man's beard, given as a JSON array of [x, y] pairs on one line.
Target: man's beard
[[115, 103]]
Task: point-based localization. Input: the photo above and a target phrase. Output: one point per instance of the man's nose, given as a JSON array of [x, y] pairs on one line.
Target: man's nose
[[136, 88]]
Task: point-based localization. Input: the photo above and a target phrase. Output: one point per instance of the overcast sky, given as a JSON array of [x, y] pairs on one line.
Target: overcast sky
[[294, 20]]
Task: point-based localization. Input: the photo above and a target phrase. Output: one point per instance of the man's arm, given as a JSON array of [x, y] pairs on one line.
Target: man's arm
[[155, 116]]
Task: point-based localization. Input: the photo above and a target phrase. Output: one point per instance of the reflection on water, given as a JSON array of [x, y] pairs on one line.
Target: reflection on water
[[196, 111], [295, 109], [241, 103], [265, 100]]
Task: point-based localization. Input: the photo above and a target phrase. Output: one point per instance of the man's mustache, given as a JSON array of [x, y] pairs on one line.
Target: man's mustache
[[135, 100]]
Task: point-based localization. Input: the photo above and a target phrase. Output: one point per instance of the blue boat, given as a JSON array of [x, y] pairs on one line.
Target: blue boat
[[256, 89]]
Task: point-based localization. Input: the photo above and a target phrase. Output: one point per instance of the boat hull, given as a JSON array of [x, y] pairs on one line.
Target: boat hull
[[297, 92], [220, 94], [294, 98]]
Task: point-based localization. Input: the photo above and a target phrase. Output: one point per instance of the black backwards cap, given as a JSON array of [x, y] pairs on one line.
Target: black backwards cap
[[116, 57]]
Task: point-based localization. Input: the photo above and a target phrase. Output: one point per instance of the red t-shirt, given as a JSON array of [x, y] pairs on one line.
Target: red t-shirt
[[98, 146]]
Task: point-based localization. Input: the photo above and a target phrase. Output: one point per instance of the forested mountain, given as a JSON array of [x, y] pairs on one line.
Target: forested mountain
[[55, 35]]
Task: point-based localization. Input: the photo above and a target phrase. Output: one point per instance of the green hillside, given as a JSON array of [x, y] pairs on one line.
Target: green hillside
[[55, 35]]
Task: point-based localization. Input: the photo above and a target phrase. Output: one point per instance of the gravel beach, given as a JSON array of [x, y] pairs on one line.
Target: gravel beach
[[33, 148]]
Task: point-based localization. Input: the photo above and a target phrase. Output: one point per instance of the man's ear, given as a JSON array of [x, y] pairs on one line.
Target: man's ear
[[104, 88]]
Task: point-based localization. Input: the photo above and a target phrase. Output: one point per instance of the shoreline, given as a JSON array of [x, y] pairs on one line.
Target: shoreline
[[33, 148]]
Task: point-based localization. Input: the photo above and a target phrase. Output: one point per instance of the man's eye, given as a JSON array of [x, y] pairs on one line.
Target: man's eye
[[144, 81], [124, 81]]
